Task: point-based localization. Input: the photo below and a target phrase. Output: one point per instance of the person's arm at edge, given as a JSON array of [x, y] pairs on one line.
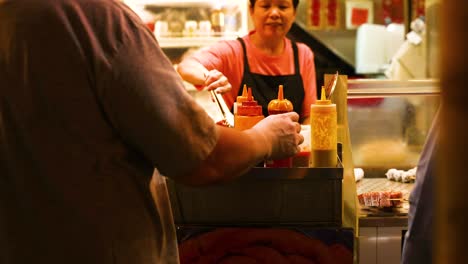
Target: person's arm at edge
[[275, 137]]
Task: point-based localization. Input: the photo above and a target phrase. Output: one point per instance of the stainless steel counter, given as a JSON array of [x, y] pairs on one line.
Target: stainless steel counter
[[385, 221]]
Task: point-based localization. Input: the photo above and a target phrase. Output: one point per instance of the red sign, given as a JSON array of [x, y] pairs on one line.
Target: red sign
[[359, 16]]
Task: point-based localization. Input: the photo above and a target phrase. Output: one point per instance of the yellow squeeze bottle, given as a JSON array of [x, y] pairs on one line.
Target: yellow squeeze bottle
[[323, 134]]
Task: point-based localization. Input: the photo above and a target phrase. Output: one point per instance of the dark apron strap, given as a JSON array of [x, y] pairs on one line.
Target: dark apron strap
[[296, 58], [246, 62]]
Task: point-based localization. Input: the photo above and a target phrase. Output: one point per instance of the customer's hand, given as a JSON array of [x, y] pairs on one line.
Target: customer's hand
[[215, 80], [282, 133]]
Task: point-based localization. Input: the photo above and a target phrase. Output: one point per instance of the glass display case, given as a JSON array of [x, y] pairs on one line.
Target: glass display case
[[192, 23], [389, 121]]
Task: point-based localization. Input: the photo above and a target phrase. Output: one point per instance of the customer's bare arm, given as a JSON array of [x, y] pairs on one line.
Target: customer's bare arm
[[236, 152]]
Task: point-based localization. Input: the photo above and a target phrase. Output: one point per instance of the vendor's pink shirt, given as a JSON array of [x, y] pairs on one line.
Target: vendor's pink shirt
[[227, 57]]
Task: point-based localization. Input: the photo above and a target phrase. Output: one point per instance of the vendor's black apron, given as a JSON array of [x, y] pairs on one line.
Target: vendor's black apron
[[265, 87]]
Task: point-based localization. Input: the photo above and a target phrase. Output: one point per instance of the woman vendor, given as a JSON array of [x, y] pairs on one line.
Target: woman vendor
[[262, 60]]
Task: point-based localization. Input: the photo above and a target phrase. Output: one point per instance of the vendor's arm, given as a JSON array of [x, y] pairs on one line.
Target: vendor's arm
[[197, 74], [192, 71]]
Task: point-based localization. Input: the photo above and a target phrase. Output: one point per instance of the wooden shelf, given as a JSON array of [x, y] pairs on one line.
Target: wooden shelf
[[188, 42], [184, 3]]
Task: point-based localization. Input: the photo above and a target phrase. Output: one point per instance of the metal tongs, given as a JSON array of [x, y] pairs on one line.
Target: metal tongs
[[330, 88], [228, 117]]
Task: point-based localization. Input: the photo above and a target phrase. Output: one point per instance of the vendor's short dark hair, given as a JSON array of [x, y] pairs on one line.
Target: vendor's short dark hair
[[295, 3]]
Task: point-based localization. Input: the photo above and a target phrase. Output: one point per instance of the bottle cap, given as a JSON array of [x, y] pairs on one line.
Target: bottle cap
[[280, 105], [249, 107], [323, 99], [243, 97]]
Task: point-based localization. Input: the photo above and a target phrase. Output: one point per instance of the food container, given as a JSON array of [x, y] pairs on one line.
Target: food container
[[161, 28], [217, 21], [190, 29], [302, 158], [204, 28]]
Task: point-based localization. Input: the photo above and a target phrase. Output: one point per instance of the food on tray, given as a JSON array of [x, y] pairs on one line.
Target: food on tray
[[381, 199], [401, 175], [260, 245]]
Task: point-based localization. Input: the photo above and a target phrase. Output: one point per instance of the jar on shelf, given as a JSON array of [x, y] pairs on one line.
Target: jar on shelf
[[217, 20]]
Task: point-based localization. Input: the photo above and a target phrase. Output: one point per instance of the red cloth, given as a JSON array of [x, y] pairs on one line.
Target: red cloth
[[260, 245]]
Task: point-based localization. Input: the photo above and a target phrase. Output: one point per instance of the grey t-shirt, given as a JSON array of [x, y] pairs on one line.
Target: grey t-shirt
[[89, 106], [418, 240]]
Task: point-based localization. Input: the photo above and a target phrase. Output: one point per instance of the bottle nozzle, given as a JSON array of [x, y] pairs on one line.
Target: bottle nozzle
[[323, 96], [249, 94], [280, 92], [244, 90], [243, 97]]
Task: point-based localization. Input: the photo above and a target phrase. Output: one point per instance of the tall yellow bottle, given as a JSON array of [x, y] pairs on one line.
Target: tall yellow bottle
[[323, 134]]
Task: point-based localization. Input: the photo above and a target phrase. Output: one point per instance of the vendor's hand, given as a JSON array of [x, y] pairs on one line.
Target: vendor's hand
[[282, 133], [215, 80]]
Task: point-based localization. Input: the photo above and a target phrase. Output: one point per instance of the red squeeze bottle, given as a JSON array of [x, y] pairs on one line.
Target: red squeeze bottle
[[241, 98], [279, 106], [249, 113]]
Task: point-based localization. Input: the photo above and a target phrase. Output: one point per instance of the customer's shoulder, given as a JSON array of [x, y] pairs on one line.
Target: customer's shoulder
[[62, 9], [34, 5], [66, 7]]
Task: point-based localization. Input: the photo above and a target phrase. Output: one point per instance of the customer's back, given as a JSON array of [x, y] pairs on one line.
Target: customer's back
[[69, 184]]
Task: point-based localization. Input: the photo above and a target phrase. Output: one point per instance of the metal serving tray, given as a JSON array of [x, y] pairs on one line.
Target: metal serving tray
[[277, 196]]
